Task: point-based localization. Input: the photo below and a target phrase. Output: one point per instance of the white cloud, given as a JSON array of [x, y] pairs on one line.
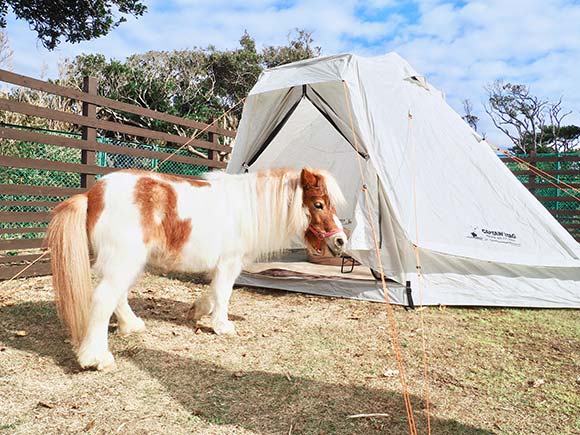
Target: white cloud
[[460, 47], [463, 48]]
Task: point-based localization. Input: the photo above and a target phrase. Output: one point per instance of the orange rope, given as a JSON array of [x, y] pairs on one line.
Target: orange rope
[[542, 174], [396, 348], [539, 171], [410, 138], [23, 270], [196, 135]]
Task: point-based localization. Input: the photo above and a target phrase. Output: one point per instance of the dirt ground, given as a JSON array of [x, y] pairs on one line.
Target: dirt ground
[[299, 365]]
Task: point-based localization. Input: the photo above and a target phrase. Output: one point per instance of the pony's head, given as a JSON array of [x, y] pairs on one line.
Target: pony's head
[[320, 197]]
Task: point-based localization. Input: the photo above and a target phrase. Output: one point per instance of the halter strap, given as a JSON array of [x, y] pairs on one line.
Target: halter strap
[[322, 235]]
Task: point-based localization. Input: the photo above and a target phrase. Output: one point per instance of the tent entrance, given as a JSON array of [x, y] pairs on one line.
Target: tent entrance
[[308, 136], [321, 105], [293, 272]]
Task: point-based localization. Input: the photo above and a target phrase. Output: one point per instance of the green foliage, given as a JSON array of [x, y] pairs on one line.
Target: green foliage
[[198, 84], [552, 138], [300, 46], [74, 20]]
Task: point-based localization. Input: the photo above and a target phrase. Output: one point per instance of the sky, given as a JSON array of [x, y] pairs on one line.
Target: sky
[[459, 46]]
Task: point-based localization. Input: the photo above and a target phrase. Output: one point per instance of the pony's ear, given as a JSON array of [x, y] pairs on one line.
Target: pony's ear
[[308, 179]]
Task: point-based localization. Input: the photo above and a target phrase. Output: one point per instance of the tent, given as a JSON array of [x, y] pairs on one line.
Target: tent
[[442, 201]]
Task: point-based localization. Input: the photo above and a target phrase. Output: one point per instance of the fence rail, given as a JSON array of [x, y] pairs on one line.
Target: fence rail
[[63, 141], [61, 164], [75, 94], [564, 171]]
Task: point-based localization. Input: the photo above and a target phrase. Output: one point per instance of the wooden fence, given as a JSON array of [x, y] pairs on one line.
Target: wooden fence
[[21, 244], [564, 168]]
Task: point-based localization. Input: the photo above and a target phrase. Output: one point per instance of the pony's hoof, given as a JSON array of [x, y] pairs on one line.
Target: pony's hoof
[[224, 327], [108, 364], [103, 362], [201, 307], [191, 314], [137, 326]]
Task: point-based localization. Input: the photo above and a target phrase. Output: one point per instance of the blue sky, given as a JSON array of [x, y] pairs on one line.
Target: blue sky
[[460, 46]]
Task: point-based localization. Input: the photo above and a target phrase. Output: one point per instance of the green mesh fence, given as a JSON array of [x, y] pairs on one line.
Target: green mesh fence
[[557, 199], [37, 177]]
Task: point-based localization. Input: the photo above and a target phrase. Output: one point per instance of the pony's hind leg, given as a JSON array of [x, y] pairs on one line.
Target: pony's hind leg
[[117, 276], [128, 321], [203, 306], [224, 277], [94, 350]]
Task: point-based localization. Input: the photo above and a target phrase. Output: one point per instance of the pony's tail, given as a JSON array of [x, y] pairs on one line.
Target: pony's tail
[[70, 264]]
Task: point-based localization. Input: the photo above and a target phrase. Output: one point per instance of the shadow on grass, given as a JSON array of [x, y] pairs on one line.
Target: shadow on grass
[[269, 403]]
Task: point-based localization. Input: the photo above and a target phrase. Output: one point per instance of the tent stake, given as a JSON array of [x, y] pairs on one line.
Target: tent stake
[[409, 290]]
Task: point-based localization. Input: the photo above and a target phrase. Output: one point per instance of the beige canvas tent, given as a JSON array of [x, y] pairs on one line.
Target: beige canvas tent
[[436, 188]]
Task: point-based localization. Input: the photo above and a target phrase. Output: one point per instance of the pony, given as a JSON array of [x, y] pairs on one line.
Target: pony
[[130, 219]]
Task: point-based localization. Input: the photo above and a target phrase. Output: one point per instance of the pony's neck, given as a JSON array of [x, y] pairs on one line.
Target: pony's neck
[[278, 213]]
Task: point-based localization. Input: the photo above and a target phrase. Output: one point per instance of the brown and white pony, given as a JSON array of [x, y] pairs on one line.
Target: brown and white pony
[[130, 219]]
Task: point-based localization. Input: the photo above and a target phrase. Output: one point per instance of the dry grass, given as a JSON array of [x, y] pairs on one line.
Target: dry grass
[[300, 365]]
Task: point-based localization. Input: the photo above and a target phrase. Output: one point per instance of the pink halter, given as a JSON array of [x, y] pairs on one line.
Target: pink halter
[[322, 235]]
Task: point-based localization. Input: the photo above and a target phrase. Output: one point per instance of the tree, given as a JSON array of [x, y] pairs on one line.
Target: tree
[[74, 20], [469, 117], [199, 84], [531, 123], [300, 46], [6, 52]]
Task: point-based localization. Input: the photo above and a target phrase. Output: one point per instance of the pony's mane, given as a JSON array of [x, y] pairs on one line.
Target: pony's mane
[[271, 214], [282, 217], [332, 188]]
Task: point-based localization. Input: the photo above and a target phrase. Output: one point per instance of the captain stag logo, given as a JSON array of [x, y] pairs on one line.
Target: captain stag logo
[[497, 236]]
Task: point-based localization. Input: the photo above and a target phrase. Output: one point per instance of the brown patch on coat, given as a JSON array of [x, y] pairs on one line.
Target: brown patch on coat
[[157, 202], [95, 204], [169, 177]]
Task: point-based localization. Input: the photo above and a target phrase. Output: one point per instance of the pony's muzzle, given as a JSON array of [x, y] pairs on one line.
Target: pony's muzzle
[[336, 243]]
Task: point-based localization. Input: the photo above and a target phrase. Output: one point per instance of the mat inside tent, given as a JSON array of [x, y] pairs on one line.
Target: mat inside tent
[[293, 272]]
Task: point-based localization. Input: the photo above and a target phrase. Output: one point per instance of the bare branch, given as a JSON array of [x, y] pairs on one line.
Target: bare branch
[[528, 121], [6, 53]]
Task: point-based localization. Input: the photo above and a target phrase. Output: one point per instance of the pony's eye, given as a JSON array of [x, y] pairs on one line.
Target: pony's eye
[[318, 205]]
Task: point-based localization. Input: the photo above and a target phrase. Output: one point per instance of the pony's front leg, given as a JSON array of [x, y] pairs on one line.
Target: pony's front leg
[[224, 277]]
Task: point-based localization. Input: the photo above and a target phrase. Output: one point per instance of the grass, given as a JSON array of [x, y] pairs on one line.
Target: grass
[[299, 364]]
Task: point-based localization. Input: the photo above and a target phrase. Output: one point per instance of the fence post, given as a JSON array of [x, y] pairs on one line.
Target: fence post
[[213, 155], [531, 174], [89, 134]]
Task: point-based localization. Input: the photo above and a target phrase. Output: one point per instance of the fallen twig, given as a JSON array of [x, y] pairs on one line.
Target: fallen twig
[[367, 415]]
